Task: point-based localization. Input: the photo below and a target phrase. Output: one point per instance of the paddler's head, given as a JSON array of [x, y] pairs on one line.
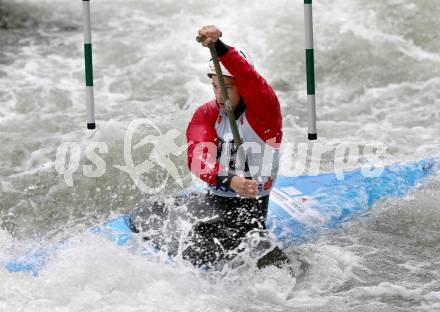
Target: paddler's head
[[231, 87], [230, 82]]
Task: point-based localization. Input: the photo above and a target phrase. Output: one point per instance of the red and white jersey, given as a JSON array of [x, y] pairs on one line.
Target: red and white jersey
[[209, 135]]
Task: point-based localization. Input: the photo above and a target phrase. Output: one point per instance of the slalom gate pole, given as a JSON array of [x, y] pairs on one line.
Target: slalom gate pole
[[88, 65], [310, 71]]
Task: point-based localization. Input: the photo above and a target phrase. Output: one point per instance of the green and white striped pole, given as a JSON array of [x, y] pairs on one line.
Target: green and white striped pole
[[89, 66], [310, 71]]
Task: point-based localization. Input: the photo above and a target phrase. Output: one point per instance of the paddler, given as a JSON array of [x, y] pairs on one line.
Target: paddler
[[240, 198], [236, 202]]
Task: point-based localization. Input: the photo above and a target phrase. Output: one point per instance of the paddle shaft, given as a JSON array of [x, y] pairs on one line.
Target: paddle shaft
[[228, 104]]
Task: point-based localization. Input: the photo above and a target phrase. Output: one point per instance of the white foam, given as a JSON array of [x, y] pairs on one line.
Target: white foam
[[377, 82]]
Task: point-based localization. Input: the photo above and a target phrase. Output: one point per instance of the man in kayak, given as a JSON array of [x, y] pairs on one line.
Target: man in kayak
[[236, 202], [239, 199]]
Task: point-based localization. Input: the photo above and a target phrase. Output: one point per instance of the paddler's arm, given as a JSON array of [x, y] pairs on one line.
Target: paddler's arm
[[262, 106], [202, 144]]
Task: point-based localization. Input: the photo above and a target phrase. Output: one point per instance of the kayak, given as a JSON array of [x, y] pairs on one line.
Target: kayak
[[300, 207]]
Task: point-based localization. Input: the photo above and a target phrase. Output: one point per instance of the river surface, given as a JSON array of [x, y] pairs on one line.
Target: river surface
[[378, 83]]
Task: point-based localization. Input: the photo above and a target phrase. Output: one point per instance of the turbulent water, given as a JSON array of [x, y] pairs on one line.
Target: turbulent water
[[378, 81]]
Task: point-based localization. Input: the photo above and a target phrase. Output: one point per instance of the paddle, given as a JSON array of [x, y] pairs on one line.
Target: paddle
[[228, 104], [276, 256]]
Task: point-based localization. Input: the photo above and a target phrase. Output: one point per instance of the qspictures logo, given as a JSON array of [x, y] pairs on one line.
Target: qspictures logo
[[294, 159]]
